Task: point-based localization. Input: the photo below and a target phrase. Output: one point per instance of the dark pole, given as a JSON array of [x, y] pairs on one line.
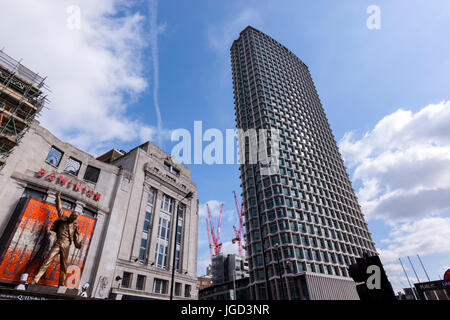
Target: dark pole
[[188, 195], [279, 271]]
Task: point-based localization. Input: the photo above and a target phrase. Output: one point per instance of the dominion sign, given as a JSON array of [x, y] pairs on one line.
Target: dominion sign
[[28, 239]]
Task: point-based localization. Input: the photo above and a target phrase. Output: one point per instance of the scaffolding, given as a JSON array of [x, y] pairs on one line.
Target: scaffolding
[[23, 94]]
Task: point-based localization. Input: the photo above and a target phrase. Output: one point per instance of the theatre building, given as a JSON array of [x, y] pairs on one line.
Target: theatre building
[[127, 203]]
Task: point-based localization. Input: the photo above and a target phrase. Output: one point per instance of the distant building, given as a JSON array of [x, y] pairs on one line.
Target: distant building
[[227, 268], [304, 214], [209, 270], [433, 290], [407, 294], [230, 290], [204, 282]]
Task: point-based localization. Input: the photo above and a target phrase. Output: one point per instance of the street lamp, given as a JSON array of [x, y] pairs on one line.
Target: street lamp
[[277, 247], [187, 196]]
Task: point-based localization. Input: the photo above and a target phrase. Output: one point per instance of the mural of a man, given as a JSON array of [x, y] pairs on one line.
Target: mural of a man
[[67, 231]]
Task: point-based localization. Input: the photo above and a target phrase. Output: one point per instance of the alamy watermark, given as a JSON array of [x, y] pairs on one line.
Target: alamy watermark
[[374, 280], [255, 147], [73, 21], [374, 20]]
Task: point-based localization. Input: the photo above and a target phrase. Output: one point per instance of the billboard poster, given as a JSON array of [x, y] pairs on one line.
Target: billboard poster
[[27, 240]]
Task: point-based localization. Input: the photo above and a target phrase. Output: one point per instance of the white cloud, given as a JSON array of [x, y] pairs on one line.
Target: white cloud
[[214, 206], [403, 164], [228, 247], [396, 276], [423, 237], [393, 268], [94, 72]]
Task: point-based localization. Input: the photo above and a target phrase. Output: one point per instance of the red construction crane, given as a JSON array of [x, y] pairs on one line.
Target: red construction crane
[[213, 239], [239, 232], [209, 238]]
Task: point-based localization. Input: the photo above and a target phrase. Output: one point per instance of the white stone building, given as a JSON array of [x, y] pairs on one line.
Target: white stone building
[[132, 196]]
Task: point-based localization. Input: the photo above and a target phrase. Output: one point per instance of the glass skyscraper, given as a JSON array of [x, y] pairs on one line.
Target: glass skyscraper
[[303, 223]]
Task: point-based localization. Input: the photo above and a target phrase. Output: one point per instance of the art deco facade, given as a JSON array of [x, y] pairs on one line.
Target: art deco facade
[[306, 215], [128, 202]]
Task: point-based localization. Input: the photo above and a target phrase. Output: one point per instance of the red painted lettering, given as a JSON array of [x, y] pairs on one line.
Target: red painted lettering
[[41, 173], [52, 176], [78, 187], [97, 197], [62, 180]]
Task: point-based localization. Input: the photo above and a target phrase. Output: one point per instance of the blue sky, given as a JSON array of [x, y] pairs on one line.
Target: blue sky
[[363, 77]]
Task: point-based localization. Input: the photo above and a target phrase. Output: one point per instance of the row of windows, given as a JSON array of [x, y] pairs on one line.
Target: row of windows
[[72, 165], [298, 266], [317, 237], [311, 211], [163, 232], [299, 228], [160, 286], [346, 218], [67, 203], [169, 167], [293, 150], [325, 155]]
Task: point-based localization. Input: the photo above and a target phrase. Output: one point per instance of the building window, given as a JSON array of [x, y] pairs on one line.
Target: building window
[[126, 280], [162, 240], [181, 209], [54, 157], [171, 168], [177, 289], [92, 174], [146, 228], [167, 203], [161, 255], [31, 193], [160, 286], [151, 197], [140, 282], [72, 166], [164, 227], [68, 205], [89, 213], [187, 291]]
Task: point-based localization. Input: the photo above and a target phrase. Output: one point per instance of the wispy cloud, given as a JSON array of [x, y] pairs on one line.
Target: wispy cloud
[[425, 236], [220, 37], [155, 29]]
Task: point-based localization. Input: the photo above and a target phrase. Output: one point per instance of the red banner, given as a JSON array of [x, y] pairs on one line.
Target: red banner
[[31, 240]]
